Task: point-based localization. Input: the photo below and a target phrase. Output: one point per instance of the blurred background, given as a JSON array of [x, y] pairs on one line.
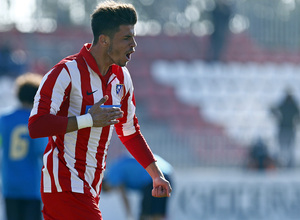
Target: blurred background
[[217, 86]]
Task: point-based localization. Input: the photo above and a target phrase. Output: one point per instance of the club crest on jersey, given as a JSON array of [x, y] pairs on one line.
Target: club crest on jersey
[[120, 90]]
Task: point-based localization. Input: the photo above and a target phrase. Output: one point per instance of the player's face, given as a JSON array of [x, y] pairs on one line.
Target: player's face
[[122, 45]]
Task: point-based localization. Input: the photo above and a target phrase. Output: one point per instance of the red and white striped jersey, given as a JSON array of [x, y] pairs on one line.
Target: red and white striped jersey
[[75, 161]]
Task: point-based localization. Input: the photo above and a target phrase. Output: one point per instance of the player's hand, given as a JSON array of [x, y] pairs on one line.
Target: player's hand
[[161, 188], [104, 116]]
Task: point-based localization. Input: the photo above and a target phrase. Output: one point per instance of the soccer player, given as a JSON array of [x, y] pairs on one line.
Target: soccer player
[[127, 174], [78, 104], [21, 155]]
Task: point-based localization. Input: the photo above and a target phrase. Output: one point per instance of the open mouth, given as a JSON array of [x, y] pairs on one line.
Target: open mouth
[[128, 55]]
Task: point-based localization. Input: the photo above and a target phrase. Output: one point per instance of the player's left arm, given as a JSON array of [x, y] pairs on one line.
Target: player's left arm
[[130, 135]]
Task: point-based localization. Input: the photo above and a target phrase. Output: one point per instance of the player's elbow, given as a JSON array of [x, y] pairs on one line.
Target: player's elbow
[[34, 128], [33, 131]]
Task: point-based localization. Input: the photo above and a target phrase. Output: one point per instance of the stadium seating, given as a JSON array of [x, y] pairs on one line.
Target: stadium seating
[[227, 101], [210, 108]]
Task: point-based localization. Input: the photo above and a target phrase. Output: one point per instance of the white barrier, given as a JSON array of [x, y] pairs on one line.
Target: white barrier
[[207, 194], [223, 195]]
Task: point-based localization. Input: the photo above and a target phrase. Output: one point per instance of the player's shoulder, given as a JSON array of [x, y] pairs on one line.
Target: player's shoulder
[[68, 59], [67, 62], [8, 114], [14, 115]]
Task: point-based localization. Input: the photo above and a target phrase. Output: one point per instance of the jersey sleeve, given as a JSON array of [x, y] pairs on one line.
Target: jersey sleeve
[[45, 120], [139, 149]]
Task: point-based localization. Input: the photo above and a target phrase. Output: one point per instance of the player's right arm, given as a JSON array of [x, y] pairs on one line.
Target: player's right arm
[[50, 125], [102, 117], [49, 118]]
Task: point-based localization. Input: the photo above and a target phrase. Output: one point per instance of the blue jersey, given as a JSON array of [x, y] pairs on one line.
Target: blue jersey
[[21, 157], [128, 172]]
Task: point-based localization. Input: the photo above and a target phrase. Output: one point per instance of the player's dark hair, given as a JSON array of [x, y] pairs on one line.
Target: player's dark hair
[[27, 86], [109, 15]]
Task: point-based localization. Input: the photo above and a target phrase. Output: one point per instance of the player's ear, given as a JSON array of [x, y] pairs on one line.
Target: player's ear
[[104, 40]]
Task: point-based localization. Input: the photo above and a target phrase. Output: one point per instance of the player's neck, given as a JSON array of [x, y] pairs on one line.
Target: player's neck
[[102, 59]]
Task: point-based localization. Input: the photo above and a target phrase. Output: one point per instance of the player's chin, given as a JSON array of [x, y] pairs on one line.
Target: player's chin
[[122, 64]]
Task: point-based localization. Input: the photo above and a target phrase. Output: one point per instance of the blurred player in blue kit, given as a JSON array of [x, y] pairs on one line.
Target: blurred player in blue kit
[[21, 155], [127, 174]]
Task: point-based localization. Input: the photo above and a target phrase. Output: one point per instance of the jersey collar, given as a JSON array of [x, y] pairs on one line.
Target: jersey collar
[[89, 58]]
